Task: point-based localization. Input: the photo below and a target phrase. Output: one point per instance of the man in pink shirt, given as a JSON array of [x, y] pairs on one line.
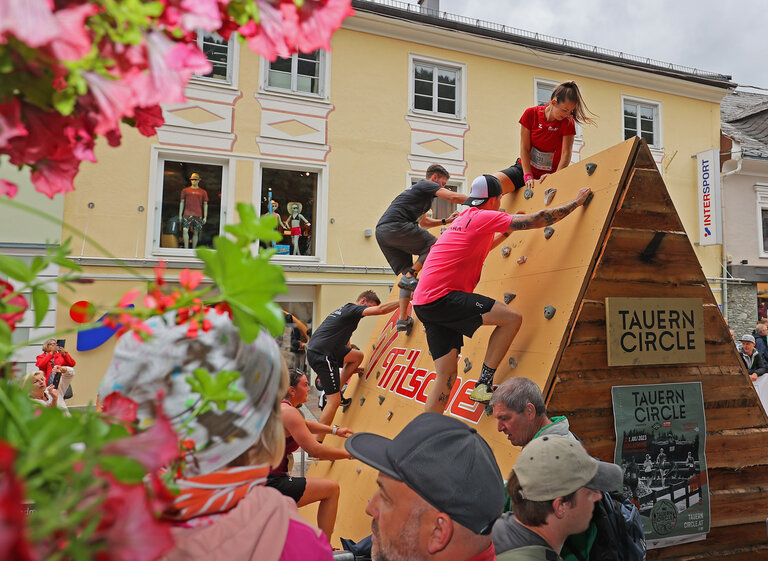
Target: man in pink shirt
[[444, 300]]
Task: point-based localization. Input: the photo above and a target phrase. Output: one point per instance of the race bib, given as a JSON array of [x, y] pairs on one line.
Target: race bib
[[542, 160]]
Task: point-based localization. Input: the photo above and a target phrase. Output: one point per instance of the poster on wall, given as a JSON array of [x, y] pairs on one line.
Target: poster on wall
[[660, 444]]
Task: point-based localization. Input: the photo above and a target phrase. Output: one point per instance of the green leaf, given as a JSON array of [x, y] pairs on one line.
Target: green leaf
[[64, 101], [40, 301], [124, 469], [216, 389], [16, 269], [253, 228]]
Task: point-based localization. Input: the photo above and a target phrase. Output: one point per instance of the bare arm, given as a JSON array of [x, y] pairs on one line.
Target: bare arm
[[296, 426], [525, 150], [548, 216], [181, 208], [566, 152], [453, 196], [381, 309], [205, 213], [320, 428]]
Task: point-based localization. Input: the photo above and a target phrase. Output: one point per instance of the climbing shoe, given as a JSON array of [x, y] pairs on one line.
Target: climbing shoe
[[405, 325], [481, 394], [408, 283]]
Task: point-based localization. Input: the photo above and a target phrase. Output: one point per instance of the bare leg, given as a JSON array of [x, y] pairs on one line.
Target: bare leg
[[327, 492], [446, 370], [194, 238], [352, 361], [332, 403], [507, 321], [185, 234]]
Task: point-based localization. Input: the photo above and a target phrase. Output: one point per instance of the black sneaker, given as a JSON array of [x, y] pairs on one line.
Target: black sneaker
[[408, 283], [405, 325], [345, 400]]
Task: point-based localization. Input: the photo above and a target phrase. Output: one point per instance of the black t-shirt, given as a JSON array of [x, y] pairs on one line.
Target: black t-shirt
[[508, 534], [336, 330], [409, 205]]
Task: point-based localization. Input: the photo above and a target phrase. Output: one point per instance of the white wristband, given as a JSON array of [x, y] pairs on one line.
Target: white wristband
[[335, 429]]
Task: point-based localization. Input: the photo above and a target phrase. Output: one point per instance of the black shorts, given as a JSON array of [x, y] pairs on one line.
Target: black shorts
[[400, 241], [293, 487], [327, 366], [515, 174], [448, 319]]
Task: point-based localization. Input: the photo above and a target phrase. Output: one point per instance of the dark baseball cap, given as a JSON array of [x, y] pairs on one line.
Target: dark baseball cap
[[445, 462], [483, 188]]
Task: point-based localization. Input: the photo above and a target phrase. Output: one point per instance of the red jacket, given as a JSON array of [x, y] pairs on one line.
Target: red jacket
[[46, 362]]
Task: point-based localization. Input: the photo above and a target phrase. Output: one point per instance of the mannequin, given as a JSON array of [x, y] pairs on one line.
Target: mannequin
[[193, 210], [294, 222]]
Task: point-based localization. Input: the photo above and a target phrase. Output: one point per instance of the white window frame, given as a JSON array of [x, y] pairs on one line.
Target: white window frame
[[324, 79], [155, 193], [233, 62], [551, 85], [319, 224], [657, 119], [761, 196], [461, 87]]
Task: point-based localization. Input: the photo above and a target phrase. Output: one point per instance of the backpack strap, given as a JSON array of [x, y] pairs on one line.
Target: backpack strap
[[529, 553]]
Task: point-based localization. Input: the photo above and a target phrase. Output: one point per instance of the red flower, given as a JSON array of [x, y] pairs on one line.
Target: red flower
[[193, 329], [160, 273], [153, 448], [13, 542], [17, 301], [148, 119], [310, 27], [8, 189], [120, 407], [190, 279], [10, 121], [129, 528]]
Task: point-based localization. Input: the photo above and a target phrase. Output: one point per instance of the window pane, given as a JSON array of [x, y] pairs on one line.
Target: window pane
[[307, 68], [447, 106], [445, 91], [423, 88], [630, 110], [543, 94], [313, 56], [646, 126], [176, 181], [216, 50], [629, 133], [281, 64], [446, 76], [442, 208], [630, 123], [648, 137], [646, 112], [307, 84], [423, 72], [422, 102], [279, 80], [289, 187]]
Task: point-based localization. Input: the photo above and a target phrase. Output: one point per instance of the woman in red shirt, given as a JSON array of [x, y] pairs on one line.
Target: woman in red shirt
[[546, 137], [52, 355]]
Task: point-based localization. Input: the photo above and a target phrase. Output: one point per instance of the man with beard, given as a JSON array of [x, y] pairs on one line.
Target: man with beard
[[418, 516]]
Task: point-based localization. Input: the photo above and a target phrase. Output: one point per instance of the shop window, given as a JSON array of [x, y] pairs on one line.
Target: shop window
[[193, 191], [293, 194]]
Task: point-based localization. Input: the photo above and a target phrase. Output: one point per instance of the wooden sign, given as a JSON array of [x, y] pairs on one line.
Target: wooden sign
[[654, 331]]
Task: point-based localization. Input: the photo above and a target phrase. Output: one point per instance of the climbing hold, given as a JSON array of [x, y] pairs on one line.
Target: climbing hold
[[389, 415], [362, 400], [359, 469], [522, 259], [508, 297], [528, 193], [488, 409], [549, 312], [589, 199], [591, 168], [373, 346], [381, 399], [505, 251], [549, 194], [378, 373], [548, 231], [344, 408], [512, 362], [467, 365]]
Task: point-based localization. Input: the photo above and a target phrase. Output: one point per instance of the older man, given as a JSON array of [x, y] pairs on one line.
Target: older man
[[553, 486], [421, 510], [750, 356]]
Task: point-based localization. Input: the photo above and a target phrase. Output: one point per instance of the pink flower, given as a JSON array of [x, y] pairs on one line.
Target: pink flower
[[129, 529], [8, 189], [114, 99], [55, 176], [163, 85], [200, 14], [10, 121], [13, 540], [31, 21], [160, 273], [148, 119], [188, 59], [190, 279], [267, 37], [316, 22], [120, 407], [129, 298], [153, 448], [74, 42]]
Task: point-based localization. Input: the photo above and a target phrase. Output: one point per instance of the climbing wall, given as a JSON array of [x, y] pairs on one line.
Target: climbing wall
[[628, 242]]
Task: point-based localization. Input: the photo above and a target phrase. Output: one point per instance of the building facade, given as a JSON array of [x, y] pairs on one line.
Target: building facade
[[333, 137]]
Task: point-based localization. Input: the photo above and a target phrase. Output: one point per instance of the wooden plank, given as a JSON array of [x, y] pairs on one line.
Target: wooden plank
[[643, 157], [646, 204], [731, 542], [746, 477]]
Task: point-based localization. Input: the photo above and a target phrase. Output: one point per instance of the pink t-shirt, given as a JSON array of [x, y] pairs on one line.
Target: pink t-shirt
[[546, 139], [456, 260]]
